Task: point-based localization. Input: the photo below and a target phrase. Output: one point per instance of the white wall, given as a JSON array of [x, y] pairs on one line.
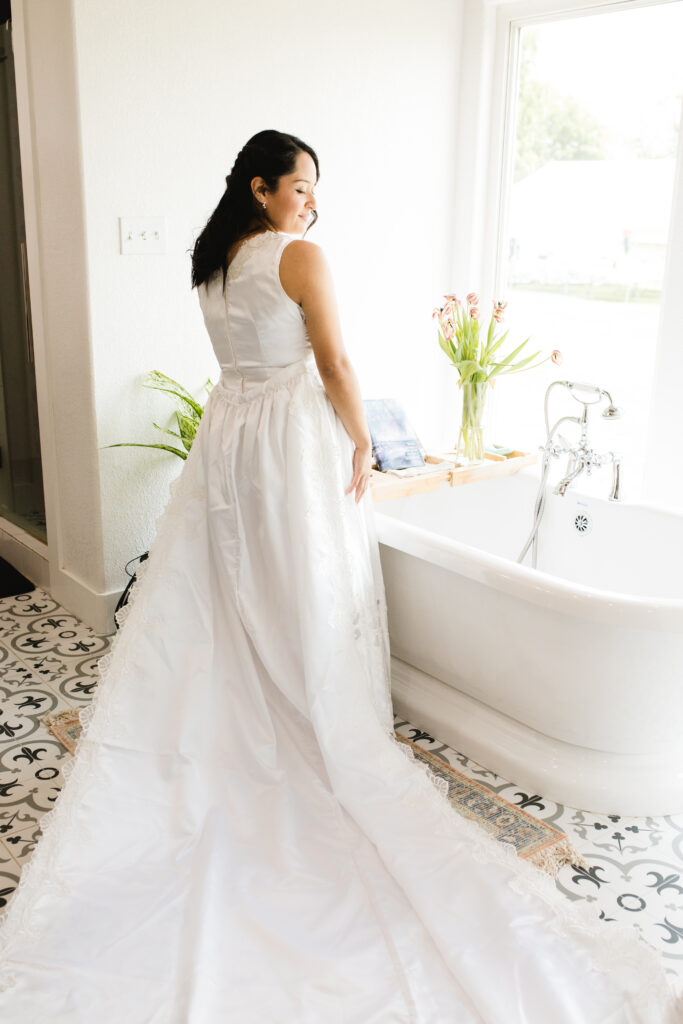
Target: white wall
[[166, 96]]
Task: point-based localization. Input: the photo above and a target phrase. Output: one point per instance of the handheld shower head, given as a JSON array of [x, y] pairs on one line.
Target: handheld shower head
[[586, 394], [611, 412]]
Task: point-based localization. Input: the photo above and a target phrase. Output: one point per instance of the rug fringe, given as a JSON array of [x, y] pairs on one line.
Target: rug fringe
[[59, 723], [552, 858], [54, 718]]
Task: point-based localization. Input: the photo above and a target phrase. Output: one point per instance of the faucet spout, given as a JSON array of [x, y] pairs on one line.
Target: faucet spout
[[564, 483]]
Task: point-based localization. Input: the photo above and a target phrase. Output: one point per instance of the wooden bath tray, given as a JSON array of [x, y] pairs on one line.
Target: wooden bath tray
[[384, 486]]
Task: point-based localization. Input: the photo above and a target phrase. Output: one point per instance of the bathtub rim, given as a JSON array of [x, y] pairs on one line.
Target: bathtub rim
[[661, 614]]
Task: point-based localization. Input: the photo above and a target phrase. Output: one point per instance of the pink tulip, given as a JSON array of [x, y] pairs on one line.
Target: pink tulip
[[474, 313], [498, 316], [451, 298], [449, 330], [500, 305], [473, 299], [557, 357]]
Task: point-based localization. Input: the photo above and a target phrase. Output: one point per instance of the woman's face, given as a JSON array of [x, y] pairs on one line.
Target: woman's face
[[290, 208]]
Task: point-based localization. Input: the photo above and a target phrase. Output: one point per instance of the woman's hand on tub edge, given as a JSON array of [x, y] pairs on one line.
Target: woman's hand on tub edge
[[362, 464]]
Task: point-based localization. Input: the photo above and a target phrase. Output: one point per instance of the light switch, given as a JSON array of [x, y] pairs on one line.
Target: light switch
[[142, 235]]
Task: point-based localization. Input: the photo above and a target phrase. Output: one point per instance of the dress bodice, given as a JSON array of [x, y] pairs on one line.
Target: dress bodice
[[254, 326]]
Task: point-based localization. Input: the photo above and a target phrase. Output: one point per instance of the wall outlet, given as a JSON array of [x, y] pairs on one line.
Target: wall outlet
[[142, 235]]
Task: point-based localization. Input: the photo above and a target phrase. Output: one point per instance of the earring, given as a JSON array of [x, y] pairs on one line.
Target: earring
[[263, 205]]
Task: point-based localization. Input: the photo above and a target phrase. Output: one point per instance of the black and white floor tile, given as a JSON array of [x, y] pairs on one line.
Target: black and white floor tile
[[635, 864], [48, 662]]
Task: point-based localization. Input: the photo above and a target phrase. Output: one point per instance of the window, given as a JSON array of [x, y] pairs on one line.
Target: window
[[593, 135]]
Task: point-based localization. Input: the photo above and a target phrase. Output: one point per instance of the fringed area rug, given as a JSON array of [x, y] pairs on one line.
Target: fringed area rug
[[65, 726], [536, 841], [539, 843]]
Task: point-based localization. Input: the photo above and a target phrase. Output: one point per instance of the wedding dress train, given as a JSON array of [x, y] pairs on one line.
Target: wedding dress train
[[241, 838]]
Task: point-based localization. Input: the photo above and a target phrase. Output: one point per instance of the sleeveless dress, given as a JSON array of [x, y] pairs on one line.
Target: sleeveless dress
[[241, 837]]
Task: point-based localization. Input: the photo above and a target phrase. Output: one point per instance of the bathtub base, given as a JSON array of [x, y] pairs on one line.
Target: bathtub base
[[597, 781]]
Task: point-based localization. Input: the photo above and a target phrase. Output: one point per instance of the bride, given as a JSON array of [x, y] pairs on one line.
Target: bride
[[241, 837]]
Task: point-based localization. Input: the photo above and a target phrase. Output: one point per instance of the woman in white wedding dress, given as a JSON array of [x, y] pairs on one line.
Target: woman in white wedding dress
[[241, 838]]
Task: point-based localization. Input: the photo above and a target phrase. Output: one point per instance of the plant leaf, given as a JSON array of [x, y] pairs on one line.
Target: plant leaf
[[523, 364], [443, 342], [489, 336], [468, 368], [134, 444], [496, 345], [173, 433], [188, 429], [160, 382], [508, 359]]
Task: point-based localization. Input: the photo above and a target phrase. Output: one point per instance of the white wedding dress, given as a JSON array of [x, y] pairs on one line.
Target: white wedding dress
[[241, 838]]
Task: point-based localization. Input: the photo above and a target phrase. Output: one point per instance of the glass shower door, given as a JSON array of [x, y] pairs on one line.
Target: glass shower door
[[21, 479]]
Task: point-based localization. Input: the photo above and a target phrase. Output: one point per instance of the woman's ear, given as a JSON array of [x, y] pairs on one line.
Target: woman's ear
[[258, 188]]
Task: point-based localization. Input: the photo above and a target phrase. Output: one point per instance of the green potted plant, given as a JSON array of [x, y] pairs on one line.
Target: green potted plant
[[188, 416]]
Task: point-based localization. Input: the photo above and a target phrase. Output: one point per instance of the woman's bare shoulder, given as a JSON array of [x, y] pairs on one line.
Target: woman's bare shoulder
[[302, 250], [302, 265]]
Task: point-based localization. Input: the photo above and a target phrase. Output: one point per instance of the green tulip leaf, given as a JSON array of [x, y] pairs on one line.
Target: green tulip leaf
[[496, 345]]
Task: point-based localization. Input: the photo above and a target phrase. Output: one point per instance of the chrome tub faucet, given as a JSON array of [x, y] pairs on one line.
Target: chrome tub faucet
[[582, 458]]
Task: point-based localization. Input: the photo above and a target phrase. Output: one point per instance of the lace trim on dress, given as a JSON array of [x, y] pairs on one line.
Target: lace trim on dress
[[245, 250]]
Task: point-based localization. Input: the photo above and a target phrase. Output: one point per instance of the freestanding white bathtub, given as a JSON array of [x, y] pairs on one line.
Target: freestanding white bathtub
[[568, 678]]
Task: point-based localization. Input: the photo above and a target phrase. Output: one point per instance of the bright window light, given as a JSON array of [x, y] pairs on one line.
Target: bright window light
[[594, 134]]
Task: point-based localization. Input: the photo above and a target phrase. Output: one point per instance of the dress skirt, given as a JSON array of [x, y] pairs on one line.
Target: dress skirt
[[241, 837]]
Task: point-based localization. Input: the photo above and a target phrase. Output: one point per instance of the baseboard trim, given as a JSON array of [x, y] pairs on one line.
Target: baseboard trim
[[31, 557]]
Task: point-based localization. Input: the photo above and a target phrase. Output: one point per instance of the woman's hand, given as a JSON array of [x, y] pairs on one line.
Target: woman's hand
[[362, 464]]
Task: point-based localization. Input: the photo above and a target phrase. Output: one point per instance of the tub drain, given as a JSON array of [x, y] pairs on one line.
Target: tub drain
[[583, 523]]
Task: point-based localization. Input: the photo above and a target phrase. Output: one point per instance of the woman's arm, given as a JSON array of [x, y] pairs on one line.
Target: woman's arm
[[306, 278]]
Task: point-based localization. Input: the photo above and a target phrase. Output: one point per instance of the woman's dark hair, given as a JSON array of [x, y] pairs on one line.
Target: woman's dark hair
[[269, 155]]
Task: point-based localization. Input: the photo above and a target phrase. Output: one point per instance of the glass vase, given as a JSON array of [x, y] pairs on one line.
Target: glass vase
[[471, 436]]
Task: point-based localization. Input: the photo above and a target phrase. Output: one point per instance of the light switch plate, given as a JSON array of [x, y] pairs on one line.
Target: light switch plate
[[142, 235]]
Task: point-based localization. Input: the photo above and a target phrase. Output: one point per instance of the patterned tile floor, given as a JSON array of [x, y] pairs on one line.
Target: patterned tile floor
[[48, 662]]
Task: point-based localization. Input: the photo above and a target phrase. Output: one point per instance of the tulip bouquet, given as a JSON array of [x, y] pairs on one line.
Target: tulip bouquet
[[474, 358]]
